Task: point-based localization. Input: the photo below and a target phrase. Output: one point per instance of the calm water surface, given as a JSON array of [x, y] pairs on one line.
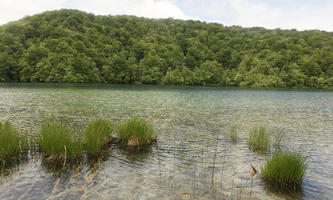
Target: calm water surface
[[194, 157]]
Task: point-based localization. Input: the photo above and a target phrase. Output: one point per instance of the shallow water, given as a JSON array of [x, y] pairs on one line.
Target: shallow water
[[194, 157]]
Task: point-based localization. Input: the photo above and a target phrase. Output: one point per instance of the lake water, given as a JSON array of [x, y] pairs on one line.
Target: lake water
[[194, 157]]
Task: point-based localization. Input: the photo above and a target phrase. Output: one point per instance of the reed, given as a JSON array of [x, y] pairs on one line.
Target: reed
[[136, 133], [259, 139], [11, 142], [284, 171], [277, 141], [59, 143], [233, 134], [97, 135]]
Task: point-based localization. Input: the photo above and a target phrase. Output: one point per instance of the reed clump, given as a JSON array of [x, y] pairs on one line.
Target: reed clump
[[259, 139], [59, 143], [11, 142], [284, 171], [233, 134], [136, 133], [97, 135]]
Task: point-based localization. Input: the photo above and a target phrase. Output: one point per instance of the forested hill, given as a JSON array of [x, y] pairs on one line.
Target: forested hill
[[74, 46]]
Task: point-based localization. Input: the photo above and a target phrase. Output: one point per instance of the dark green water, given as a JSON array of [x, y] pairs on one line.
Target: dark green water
[[194, 157]]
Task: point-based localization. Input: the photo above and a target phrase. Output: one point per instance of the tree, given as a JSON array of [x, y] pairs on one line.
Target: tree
[[74, 46]]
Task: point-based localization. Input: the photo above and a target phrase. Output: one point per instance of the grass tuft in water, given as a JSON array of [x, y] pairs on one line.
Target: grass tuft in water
[[233, 134], [11, 142], [59, 143], [259, 139], [97, 135], [136, 132], [284, 171]]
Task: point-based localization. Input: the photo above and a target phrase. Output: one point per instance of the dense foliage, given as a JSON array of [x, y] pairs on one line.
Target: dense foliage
[[74, 46]]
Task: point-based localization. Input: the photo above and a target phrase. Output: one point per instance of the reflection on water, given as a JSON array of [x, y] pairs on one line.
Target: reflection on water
[[194, 157]]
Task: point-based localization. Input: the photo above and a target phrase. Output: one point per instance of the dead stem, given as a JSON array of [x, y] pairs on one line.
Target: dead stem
[[64, 165]]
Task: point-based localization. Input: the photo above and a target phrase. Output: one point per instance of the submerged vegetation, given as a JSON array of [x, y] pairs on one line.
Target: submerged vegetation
[[284, 171], [11, 142], [136, 132], [74, 46], [97, 135], [59, 143], [259, 139]]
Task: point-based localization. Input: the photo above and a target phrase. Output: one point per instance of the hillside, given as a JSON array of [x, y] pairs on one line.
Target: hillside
[[74, 46]]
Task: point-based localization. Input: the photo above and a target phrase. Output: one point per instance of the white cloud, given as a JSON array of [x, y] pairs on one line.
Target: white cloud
[[295, 14], [305, 17], [15, 9], [145, 8], [255, 14], [11, 10]]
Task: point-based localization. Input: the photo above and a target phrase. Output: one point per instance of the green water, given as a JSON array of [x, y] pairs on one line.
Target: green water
[[194, 157]]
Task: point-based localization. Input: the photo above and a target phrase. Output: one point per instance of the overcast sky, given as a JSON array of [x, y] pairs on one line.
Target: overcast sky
[[285, 14]]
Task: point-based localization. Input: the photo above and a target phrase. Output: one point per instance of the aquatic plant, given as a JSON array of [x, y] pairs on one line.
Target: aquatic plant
[[11, 142], [284, 171], [233, 133], [259, 139], [97, 135], [136, 132], [59, 143], [277, 141]]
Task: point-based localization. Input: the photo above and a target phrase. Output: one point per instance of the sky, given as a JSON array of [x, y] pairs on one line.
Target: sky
[[284, 14]]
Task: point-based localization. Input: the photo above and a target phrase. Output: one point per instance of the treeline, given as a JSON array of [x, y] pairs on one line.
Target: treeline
[[74, 46]]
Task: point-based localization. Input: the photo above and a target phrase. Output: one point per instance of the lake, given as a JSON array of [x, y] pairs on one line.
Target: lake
[[194, 157]]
